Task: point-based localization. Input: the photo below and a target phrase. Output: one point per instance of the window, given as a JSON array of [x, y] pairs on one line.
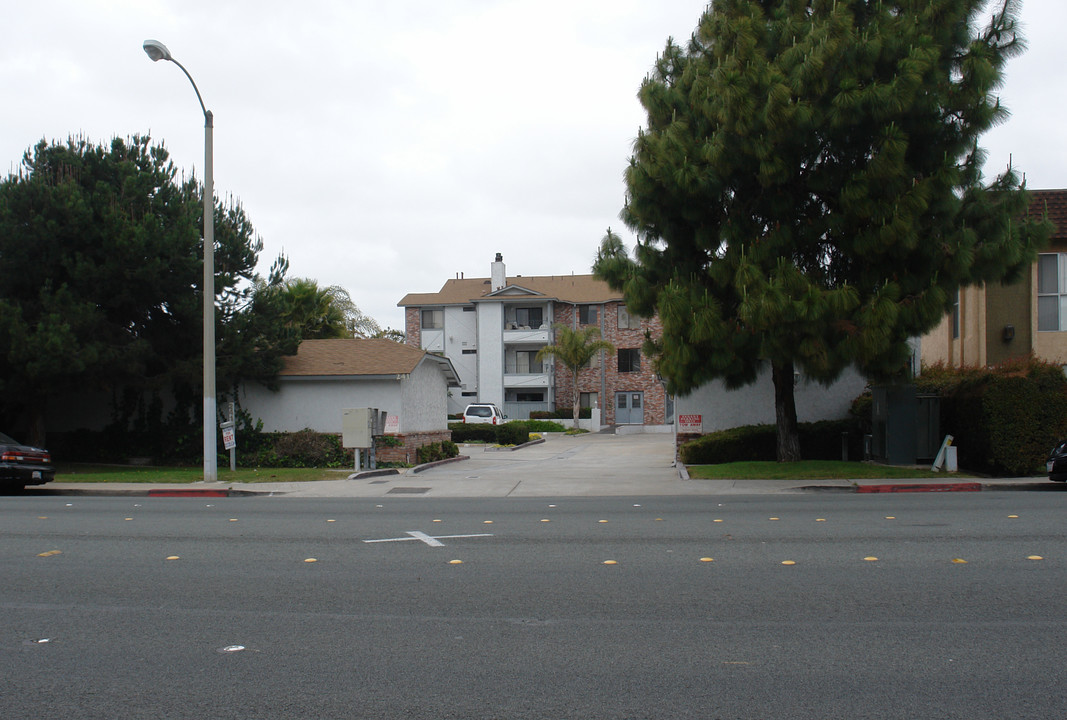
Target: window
[[470, 352], [1052, 292], [588, 314], [594, 362], [469, 394], [629, 360], [526, 363], [625, 321], [530, 397], [587, 400], [529, 317], [433, 319], [468, 308]]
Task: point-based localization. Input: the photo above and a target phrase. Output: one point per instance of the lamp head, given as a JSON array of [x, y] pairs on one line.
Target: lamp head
[[157, 50]]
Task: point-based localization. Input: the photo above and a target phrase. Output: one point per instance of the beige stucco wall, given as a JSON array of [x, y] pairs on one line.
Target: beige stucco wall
[[969, 349]]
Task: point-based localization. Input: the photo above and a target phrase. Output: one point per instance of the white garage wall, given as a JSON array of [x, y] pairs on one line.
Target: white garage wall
[[317, 403], [754, 404]]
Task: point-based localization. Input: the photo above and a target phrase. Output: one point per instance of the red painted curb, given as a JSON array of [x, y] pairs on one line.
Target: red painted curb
[[921, 487], [188, 493]]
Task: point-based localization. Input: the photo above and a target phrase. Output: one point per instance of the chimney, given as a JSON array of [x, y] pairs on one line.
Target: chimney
[[497, 274]]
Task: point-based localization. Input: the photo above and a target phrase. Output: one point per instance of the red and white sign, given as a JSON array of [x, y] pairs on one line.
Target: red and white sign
[[392, 424], [690, 423]]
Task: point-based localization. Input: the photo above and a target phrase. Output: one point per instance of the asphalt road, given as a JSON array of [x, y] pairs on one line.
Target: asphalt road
[[893, 606]]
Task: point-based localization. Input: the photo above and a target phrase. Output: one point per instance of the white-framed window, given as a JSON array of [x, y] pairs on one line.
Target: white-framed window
[[1052, 292], [625, 321], [433, 319]]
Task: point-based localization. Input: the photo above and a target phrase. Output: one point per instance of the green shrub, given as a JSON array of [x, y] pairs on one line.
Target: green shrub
[[1003, 419], [818, 441], [543, 426], [561, 414], [482, 432], [449, 449], [513, 433]]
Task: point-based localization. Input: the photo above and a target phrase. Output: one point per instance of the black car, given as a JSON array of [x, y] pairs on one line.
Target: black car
[[22, 465], [1057, 463]]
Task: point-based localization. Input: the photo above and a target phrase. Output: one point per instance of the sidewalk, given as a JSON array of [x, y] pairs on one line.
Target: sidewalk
[[596, 465]]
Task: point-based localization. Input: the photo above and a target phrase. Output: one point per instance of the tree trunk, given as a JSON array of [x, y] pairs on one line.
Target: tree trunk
[[36, 429], [785, 411], [577, 396]]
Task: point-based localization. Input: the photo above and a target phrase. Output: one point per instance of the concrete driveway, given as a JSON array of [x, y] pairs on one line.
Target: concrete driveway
[[592, 464]]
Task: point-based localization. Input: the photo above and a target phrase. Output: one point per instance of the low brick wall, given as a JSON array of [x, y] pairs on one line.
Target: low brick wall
[[405, 453], [686, 437]]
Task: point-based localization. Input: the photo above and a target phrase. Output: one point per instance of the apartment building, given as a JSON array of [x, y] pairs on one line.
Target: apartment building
[[492, 329], [994, 323]]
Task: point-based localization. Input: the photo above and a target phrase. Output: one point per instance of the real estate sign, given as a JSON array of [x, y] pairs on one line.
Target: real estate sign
[[690, 423]]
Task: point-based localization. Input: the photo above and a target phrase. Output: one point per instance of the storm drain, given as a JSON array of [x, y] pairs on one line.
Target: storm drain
[[408, 491]]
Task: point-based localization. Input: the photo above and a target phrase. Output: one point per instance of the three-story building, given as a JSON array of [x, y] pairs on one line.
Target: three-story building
[[493, 328]]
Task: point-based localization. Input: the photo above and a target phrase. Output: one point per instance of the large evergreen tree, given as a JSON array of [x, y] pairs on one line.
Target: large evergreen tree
[[808, 192], [100, 266]]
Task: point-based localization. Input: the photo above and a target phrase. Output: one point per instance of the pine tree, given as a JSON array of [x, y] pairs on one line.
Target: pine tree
[[808, 192]]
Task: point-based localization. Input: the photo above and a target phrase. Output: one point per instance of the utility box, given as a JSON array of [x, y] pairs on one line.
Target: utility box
[[357, 427], [905, 426], [893, 427], [927, 427]]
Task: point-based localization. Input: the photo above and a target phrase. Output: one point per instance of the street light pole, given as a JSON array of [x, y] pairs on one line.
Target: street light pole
[[158, 51]]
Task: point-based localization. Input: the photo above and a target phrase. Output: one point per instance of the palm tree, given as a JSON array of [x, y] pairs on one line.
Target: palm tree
[[318, 312], [575, 348]]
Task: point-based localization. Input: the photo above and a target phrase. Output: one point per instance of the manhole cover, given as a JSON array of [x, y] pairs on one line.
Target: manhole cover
[[408, 491]]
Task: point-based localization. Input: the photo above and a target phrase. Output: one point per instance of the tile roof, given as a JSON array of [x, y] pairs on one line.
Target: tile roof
[[351, 356], [1055, 203], [567, 288]]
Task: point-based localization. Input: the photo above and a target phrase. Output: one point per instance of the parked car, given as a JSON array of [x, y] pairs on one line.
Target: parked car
[[22, 465], [487, 413], [1057, 463]]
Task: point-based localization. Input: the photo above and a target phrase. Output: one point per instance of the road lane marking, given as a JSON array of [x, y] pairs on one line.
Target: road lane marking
[[431, 540]]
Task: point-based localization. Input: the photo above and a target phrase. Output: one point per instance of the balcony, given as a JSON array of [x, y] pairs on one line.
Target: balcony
[[525, 335], [526, 375]]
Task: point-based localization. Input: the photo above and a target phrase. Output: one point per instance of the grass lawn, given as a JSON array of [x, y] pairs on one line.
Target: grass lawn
[[79, 473], [812, 470]]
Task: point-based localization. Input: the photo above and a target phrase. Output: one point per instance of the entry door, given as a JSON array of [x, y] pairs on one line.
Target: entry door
[[629, 408]]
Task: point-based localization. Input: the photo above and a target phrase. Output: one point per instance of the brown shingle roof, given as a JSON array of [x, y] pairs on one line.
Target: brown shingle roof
[[568, 288], [1055, 203], [355, 356]]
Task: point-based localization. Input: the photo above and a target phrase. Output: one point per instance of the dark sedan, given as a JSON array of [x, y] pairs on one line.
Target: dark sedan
[[1057, 463], [22, 465]]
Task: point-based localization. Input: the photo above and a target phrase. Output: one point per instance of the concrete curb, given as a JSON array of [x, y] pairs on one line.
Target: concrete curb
[[364, 474], [920, 487], [513, 448], [437, 463]]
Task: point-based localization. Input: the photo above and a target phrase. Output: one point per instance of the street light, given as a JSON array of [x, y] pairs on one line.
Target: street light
[[158, 51]]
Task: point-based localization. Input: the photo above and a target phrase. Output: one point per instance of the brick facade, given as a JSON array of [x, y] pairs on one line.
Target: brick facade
[[413, 326], [606, 380], [411, 442]]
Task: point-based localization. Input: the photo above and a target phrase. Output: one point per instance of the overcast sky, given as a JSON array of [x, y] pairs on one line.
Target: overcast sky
[[387, 146]]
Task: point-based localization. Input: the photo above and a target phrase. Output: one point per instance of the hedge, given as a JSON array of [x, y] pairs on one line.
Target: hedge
[[561, 414], [818, 441], [1004, 419], [514, 432]]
